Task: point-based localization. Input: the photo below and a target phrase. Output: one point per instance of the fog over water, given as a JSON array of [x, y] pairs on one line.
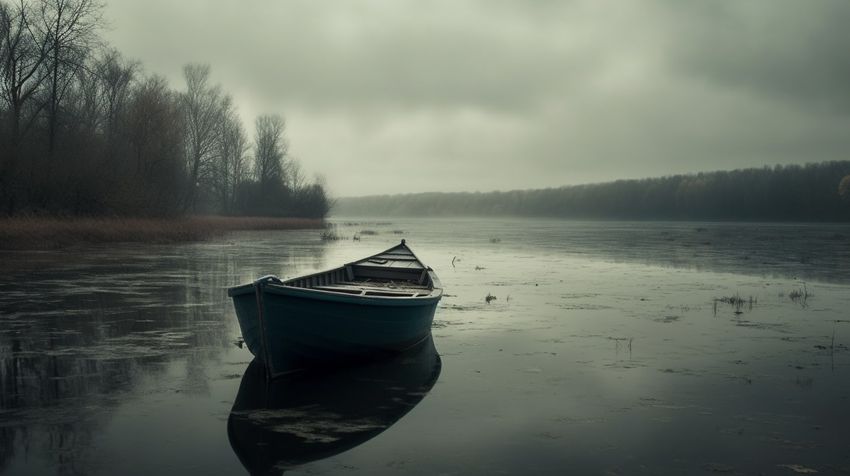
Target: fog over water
[[610, 348], [486, 95]]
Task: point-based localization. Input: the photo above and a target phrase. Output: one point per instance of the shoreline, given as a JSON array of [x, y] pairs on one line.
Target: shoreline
[[21, 233]]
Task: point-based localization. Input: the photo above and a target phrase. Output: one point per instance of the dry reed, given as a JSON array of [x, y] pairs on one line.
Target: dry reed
[[47, 232]]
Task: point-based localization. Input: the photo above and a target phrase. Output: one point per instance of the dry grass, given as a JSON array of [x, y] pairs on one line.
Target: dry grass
[[43, 232]]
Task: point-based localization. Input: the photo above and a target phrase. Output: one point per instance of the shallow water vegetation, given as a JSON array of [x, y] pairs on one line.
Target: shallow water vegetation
[[733, 300], [489, 298], [368, 232], [737, 302], [800, 295], [623, 343], [331, 234]]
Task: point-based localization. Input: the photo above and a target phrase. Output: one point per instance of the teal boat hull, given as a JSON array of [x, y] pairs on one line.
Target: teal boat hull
[[289, 328], [381, 304]]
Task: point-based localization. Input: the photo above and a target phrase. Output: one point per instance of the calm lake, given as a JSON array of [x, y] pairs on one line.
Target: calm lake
[[610, 348]]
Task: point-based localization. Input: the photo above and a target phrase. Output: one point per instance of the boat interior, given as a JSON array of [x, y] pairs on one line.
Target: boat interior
[[396, 272]]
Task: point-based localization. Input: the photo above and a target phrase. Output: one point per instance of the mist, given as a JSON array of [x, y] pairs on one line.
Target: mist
[[486, 95], [401, 237]]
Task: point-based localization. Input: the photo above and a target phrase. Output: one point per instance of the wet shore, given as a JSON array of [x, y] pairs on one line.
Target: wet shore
[[25, 233]]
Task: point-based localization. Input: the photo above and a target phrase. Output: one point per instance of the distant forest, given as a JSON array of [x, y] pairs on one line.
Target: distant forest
[[86, 131], [811, 192]]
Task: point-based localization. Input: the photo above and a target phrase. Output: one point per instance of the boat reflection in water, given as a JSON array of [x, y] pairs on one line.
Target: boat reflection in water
[[307, 416]]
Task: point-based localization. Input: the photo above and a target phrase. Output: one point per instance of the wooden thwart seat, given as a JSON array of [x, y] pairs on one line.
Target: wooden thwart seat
[[368, 291], [393, 273]]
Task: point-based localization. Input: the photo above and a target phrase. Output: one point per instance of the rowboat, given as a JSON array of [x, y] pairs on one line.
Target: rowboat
[[279, 424], [381, 303]]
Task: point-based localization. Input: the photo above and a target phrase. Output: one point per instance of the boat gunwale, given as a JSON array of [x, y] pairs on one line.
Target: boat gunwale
[[319, 294], [283, 288]]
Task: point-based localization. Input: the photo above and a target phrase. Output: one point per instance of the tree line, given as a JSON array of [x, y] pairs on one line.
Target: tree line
[[811, 192], [86, 131]]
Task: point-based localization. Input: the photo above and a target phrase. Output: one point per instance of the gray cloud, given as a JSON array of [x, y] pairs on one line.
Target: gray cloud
[[393, 96], [794, 50]]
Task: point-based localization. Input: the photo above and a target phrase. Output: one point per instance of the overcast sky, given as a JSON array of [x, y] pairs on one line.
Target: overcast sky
[[395, 96]]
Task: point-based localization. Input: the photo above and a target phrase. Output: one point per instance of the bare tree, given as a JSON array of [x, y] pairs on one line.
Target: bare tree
[[295, 178], [70, 30], [114, 76], [202, 106], [128, 144], [23, 51], [85, 102], [230, 166], [155, 134], [270, 149]]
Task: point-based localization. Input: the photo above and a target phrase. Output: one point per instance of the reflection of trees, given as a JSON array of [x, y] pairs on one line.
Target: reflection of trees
[[7, 445], [80, 332]]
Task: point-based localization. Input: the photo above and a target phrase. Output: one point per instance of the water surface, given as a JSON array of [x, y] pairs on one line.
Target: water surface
[[606, 351]]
